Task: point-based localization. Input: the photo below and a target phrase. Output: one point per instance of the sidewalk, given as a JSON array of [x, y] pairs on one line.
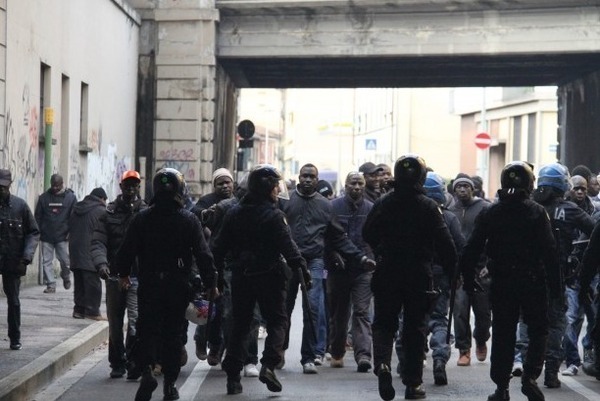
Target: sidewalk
[[52, 339]]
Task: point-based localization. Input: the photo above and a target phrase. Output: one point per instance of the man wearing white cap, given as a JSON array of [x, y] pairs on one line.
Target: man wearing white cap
[[222, 180]]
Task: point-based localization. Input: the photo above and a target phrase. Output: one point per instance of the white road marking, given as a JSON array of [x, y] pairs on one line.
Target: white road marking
[[191, 387]]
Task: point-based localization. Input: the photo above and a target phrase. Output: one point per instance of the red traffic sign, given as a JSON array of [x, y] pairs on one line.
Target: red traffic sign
[[483, 140]]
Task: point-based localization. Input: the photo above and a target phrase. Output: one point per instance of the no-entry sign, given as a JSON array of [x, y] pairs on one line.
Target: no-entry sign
[[483, 140]]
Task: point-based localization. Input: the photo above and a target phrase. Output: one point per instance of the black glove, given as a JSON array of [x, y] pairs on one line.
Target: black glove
[[307, 278], [22, 267], [104, 272]]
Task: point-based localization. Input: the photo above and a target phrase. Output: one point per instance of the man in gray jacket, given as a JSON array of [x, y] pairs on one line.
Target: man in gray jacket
[[466, 208]]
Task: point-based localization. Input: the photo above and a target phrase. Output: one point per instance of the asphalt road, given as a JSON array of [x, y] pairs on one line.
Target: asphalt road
[[89, 380]]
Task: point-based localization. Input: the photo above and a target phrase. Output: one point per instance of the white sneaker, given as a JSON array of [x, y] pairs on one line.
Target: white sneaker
[[250, 370], [517, 369], [572, 370], [309, 368], [318, 360], [262, 332], [328, 356]]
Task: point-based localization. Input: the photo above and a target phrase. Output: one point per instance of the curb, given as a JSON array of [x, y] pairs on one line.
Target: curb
[[27, 381]]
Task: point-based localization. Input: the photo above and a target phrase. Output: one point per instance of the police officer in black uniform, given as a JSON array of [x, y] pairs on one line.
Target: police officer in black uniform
[[164, 238], [587, 295], [256, 236], [406, 229], [517, 237], [568, 222]]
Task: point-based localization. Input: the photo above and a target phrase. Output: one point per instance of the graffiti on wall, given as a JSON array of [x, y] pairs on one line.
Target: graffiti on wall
[[183, 160], [19, 147], [100, 171]]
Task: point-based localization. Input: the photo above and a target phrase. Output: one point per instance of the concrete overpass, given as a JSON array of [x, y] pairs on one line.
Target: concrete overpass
[[407, 43], [198, 53]]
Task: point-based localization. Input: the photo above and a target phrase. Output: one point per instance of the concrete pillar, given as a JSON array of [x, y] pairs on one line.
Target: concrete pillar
[[177, 105], [579, 122], [2, 79]]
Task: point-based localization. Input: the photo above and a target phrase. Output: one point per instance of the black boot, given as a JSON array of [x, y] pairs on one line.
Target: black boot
[[384, 376], [551, 379], [234, 385], [170, 391], [530, 388], [147, 386], [414, 393], [268, 377], [439, 372], [501, 394]]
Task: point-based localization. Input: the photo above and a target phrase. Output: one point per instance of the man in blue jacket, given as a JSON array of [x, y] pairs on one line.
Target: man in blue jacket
[[349, 285]]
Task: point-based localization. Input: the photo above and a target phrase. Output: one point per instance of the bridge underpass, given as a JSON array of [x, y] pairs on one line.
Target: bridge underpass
[[205, 51], [419, 44]]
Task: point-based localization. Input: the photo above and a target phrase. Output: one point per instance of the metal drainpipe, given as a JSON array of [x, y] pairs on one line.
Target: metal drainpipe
[[48, 121]]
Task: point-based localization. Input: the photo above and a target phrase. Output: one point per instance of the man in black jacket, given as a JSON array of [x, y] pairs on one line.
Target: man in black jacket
[[87, 293], [406, 229], [107, 239], [52, 216], [313, 223], [258, 241], [516, 235], [165, 238], [19, 237], [222, 180]]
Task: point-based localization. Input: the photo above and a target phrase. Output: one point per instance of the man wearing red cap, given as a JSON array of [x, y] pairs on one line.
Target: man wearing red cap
[[107, 239]]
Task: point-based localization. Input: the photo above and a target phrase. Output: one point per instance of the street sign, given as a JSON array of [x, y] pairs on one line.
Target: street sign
[[371, 144], [483, 140]]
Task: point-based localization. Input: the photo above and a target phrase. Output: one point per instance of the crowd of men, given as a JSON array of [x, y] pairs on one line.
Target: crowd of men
[[385, 264]]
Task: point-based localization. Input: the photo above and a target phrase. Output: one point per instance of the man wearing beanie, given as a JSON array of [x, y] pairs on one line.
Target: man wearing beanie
[[222, 180], [87, 293], [466, 208]]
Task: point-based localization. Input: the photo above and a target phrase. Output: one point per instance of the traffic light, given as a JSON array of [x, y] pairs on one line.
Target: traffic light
[[245, 130]]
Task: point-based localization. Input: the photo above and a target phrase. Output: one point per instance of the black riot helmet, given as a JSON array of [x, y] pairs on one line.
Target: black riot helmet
[[262, 179], [517, 175], [410, 171], [169, 183]]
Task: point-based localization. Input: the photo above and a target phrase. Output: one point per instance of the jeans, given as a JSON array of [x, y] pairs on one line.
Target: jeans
[[438, 320], [522, 342], [316, 296], [11, 284], [118, 301], [575, 314], [62, 254]]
